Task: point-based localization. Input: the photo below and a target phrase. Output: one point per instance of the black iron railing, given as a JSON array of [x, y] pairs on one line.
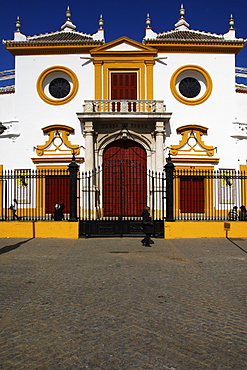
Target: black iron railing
[[120, 192], [209, 195]]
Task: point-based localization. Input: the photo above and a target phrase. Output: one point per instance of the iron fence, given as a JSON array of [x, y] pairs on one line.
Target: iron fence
[[109, 193], [210, 195], [35, 195], [121, 192]]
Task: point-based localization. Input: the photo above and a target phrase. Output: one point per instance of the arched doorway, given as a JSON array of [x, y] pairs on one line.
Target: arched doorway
[[124, 179]]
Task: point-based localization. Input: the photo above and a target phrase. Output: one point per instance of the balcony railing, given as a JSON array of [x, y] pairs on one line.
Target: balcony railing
[[124, 106]]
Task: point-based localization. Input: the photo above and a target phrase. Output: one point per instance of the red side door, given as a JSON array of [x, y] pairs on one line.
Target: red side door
[[192, 195], [124, 179], [57, 190]]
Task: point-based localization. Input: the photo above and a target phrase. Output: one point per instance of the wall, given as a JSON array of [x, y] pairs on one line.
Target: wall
[[15, 229], [217, 113], [201, 229], [33, 113]]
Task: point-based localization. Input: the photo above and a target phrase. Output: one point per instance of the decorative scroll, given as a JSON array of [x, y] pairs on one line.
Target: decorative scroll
[[58, 142], [192, 143]]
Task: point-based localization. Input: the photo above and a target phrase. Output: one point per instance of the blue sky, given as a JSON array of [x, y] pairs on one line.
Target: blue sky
[[122, 18]]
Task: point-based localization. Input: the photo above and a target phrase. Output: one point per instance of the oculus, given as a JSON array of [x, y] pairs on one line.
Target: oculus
[[57, 85], [191, 84]]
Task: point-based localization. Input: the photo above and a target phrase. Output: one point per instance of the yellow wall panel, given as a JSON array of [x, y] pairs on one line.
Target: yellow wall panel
[[200, 229]]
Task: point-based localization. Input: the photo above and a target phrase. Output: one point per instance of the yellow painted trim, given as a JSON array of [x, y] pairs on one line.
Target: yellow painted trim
[[52, 130], [45, 73], [52, 49], [98, 79], [106, 48], [180, 98], [15, 229], [66, 128], [243, 168], [57, 159], [130, 66], [195, 48], [1, 191], [149, 82], [51, 167], [186, 133], [62, 229], [195, 160], [107, 61], [204, 229], [42, 229]]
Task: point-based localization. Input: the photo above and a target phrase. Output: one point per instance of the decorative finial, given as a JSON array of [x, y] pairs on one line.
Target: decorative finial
[[68, 24], [182, 25], [68, 13], [231, 21], [18, 23], [148, 21], [101, 22], [182, 11]]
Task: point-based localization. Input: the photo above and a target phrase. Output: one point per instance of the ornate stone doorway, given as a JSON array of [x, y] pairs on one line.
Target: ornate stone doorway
[[124, 179]]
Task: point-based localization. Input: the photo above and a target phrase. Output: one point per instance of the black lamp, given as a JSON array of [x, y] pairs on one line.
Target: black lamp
[[2, 128]]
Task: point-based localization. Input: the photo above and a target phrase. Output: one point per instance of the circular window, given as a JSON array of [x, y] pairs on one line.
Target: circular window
[[57, 85], [191, 85], [59, 88]]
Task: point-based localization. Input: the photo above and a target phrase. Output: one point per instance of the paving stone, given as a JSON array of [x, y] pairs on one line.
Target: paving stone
[[113, 304]]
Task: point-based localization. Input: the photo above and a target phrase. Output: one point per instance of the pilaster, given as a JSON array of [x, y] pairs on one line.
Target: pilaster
[[89, 146], [159, 146]]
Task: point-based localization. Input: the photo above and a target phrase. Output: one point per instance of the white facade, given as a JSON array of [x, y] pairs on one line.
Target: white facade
[[223, 113]]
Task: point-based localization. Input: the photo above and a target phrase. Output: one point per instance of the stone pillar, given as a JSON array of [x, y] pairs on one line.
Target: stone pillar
[[73, 169], [89, 146], [159, 146], [169, 169]]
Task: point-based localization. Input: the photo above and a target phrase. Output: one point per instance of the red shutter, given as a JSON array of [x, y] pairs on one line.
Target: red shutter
[[124, 86], [192, 195], [57, 189]]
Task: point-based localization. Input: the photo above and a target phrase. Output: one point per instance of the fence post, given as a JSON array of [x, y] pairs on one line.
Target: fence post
[[169, 169], [73, 169]]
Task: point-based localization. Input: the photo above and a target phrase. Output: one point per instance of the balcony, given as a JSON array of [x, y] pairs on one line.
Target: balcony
[[124, 109]]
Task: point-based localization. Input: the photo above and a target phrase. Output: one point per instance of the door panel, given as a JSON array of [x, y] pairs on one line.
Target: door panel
[[123, 87], [124, 179], [192, 195], [57, 190]]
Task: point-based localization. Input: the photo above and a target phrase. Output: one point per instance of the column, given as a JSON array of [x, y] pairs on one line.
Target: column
[[98, 79], [149, 81], [159, 146], [89, 146]]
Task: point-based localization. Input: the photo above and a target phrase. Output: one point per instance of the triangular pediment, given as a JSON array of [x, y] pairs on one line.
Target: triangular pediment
[[124, 44]]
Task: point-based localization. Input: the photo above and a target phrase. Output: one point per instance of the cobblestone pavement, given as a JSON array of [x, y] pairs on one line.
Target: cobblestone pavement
[[113, 304]]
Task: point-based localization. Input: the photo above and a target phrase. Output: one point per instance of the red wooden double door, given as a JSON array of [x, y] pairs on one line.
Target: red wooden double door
[[57, 190], [124, 87], [192, 194], [124, 179]]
